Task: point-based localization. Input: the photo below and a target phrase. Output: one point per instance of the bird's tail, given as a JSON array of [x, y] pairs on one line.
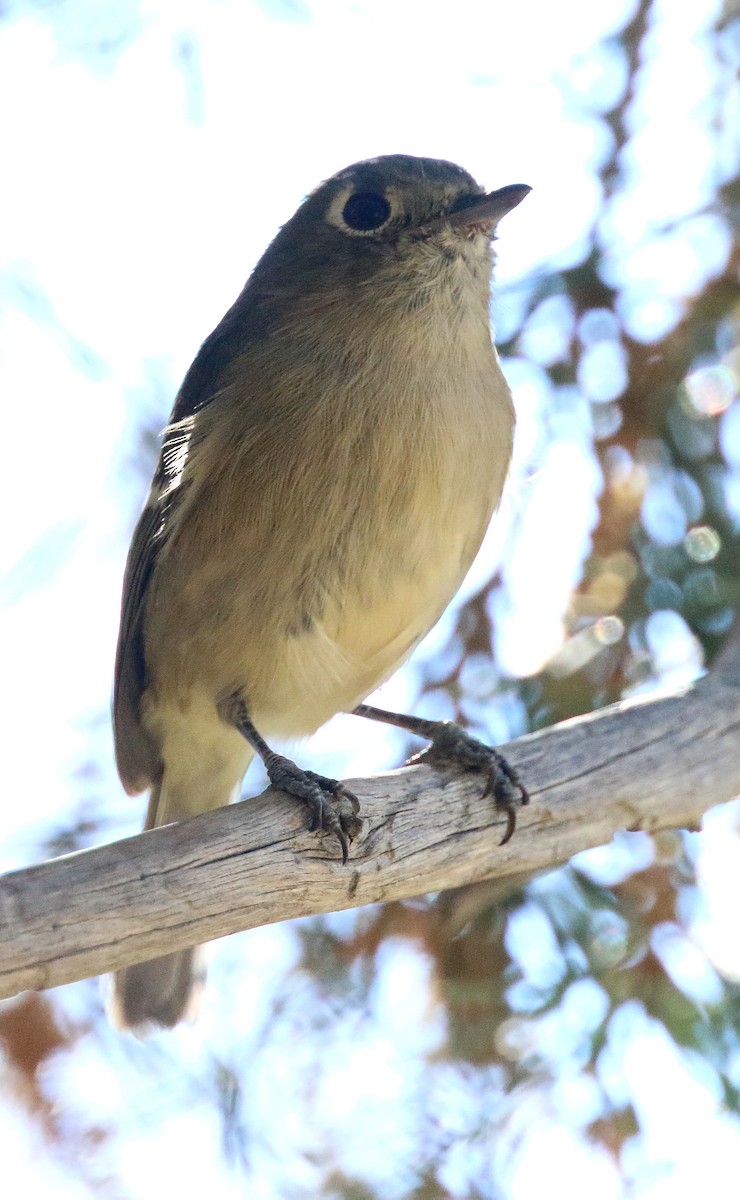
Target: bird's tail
[[165, 990], [158, 993]]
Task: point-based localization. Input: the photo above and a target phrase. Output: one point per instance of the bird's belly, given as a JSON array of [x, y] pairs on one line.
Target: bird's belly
[[393, 596], [312, 590]]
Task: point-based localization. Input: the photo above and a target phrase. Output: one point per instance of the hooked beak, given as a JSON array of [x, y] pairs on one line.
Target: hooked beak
[[482, 210]]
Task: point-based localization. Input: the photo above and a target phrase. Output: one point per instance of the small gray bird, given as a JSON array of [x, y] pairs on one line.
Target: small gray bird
[[333, 459]]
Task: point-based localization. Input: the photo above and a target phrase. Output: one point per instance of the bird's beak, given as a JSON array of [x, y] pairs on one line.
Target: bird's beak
[[482, 210]]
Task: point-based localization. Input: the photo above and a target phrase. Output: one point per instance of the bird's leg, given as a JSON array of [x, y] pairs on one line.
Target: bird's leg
[[450, 743], [316, 791]]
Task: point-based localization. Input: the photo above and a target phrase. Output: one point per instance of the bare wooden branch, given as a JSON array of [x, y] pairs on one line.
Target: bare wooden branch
[[650, 765]]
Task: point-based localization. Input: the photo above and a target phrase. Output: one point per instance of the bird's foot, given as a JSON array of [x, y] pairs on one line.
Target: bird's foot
[[451, 744], [334, 808]]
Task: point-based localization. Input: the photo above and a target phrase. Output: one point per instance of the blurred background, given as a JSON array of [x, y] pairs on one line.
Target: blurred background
[[582, 1032]]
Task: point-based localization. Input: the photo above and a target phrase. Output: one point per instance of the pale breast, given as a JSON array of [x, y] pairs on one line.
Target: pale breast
[[408, 545], [335, 508]]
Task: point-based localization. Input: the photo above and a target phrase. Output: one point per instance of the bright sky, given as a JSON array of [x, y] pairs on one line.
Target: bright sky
[[136, 198]]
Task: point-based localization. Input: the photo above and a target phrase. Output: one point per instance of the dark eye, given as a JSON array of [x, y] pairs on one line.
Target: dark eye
[[365, 211]]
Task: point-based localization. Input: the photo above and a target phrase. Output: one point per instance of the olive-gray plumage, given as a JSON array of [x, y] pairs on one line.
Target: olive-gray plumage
[[334, 456]]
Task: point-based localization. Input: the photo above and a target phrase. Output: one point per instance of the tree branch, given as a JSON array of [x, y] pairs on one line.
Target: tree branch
[[638, 765]]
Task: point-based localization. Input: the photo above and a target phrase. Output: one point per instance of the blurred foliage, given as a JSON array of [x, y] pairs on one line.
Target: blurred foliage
[[519, 1007]]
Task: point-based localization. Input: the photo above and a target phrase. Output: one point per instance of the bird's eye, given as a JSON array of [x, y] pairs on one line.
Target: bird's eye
[[366, 211]]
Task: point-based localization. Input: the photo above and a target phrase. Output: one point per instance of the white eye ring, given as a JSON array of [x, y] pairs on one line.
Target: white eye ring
[[384, 206]]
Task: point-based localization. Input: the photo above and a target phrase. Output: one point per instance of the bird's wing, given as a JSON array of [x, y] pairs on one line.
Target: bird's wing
[[137, 755]]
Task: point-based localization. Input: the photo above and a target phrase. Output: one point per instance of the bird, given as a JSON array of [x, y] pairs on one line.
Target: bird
[[333, 458]]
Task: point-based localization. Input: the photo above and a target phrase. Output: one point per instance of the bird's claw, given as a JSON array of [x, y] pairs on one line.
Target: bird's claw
[[450, 743], [318, 791]]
